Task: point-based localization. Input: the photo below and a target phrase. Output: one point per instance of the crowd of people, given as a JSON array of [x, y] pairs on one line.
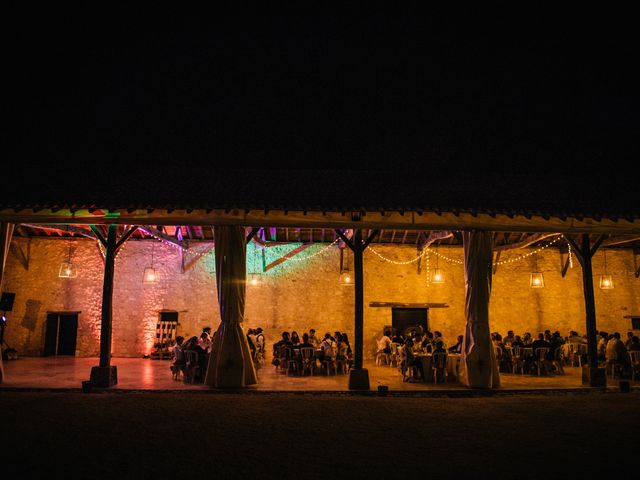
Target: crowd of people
[[522, 349], [181, 363], [327, 353], [332, 350], [611, 350], [406, 351]]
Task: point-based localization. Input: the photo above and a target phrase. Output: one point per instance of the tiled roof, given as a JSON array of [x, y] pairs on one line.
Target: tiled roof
[[326, 190]]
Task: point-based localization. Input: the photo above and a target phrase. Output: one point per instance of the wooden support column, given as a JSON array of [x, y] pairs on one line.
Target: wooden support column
[[106, 375], [584, 252], [358, 376]]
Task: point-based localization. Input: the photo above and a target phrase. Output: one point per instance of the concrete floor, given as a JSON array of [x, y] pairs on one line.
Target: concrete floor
[[147, 374]]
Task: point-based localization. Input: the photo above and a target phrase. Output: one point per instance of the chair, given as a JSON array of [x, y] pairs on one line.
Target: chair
[[192, 367], [517, 360], [342, 359], [394, 355], [308, 359], [558, 360], [540, 359], [439, 365], [634, 356], [382, 355], [258, 357], [329, 360], [291, 362]]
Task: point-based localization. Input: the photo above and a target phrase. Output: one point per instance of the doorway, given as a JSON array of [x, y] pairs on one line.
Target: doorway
[[61, 332], [403, 320]]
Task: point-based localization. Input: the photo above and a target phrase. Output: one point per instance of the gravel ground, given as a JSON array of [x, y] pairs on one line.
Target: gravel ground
[[146, 435]]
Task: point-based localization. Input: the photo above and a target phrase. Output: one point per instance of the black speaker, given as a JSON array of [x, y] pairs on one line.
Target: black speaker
[[6, 302]]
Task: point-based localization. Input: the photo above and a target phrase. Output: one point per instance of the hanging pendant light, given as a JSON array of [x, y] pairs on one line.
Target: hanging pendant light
[[438, 273], [255, 278], [606, 280], [150, 276], [346, 278], [68, 269], [536, 280]]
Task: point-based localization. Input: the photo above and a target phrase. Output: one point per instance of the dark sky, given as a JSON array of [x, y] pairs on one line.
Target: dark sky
[[515, 92]]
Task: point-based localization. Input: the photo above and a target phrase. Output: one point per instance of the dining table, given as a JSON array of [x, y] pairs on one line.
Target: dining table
[[452, 366]]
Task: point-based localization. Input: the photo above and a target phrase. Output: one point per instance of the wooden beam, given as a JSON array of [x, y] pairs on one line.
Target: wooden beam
[[57, 228], [619, 240], [406, 220], [287, 256], [596, 244], [566, 263], [525, 241], [23, 257], [372, 235], [496, 260], [407, 305], [347, 242], [252, 234], [98, 235], [576, 249], [157, 233], [125, 237]]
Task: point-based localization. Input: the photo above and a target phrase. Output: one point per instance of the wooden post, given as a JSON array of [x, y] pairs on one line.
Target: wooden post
[[358, 376], [584, 252], [106, 375], [107, 298], [359, 298], [590, 308]]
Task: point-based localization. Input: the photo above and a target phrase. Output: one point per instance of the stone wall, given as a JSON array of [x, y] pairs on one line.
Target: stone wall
[[298, 294]]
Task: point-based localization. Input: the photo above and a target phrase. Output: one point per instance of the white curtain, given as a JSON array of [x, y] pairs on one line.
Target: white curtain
[[6, 232], [478, 367], [230, 362]]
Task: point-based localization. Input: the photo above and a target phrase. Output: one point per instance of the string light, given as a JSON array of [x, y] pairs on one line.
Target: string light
[[319, 252], [428, 250]]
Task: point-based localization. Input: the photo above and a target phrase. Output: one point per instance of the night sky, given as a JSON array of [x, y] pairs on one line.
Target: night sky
[[530, 92]]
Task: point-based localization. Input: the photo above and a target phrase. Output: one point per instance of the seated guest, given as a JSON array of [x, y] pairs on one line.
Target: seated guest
[[616, 353], [509, 338], [305, 342], [193, 346], [259, 339], [457, 348], [295, 339], [439, 347], [384, 343], [634, 346], [285, 342], [397, 338], [517, 342], [574, 337], [539, 343], [179, 363], [412, 362], [555, 343], [345, 340], [602, 346], [313, 339], [327, 345], [527, 339], [428, 342], [205, 339], [628, 340], [502, 353]]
